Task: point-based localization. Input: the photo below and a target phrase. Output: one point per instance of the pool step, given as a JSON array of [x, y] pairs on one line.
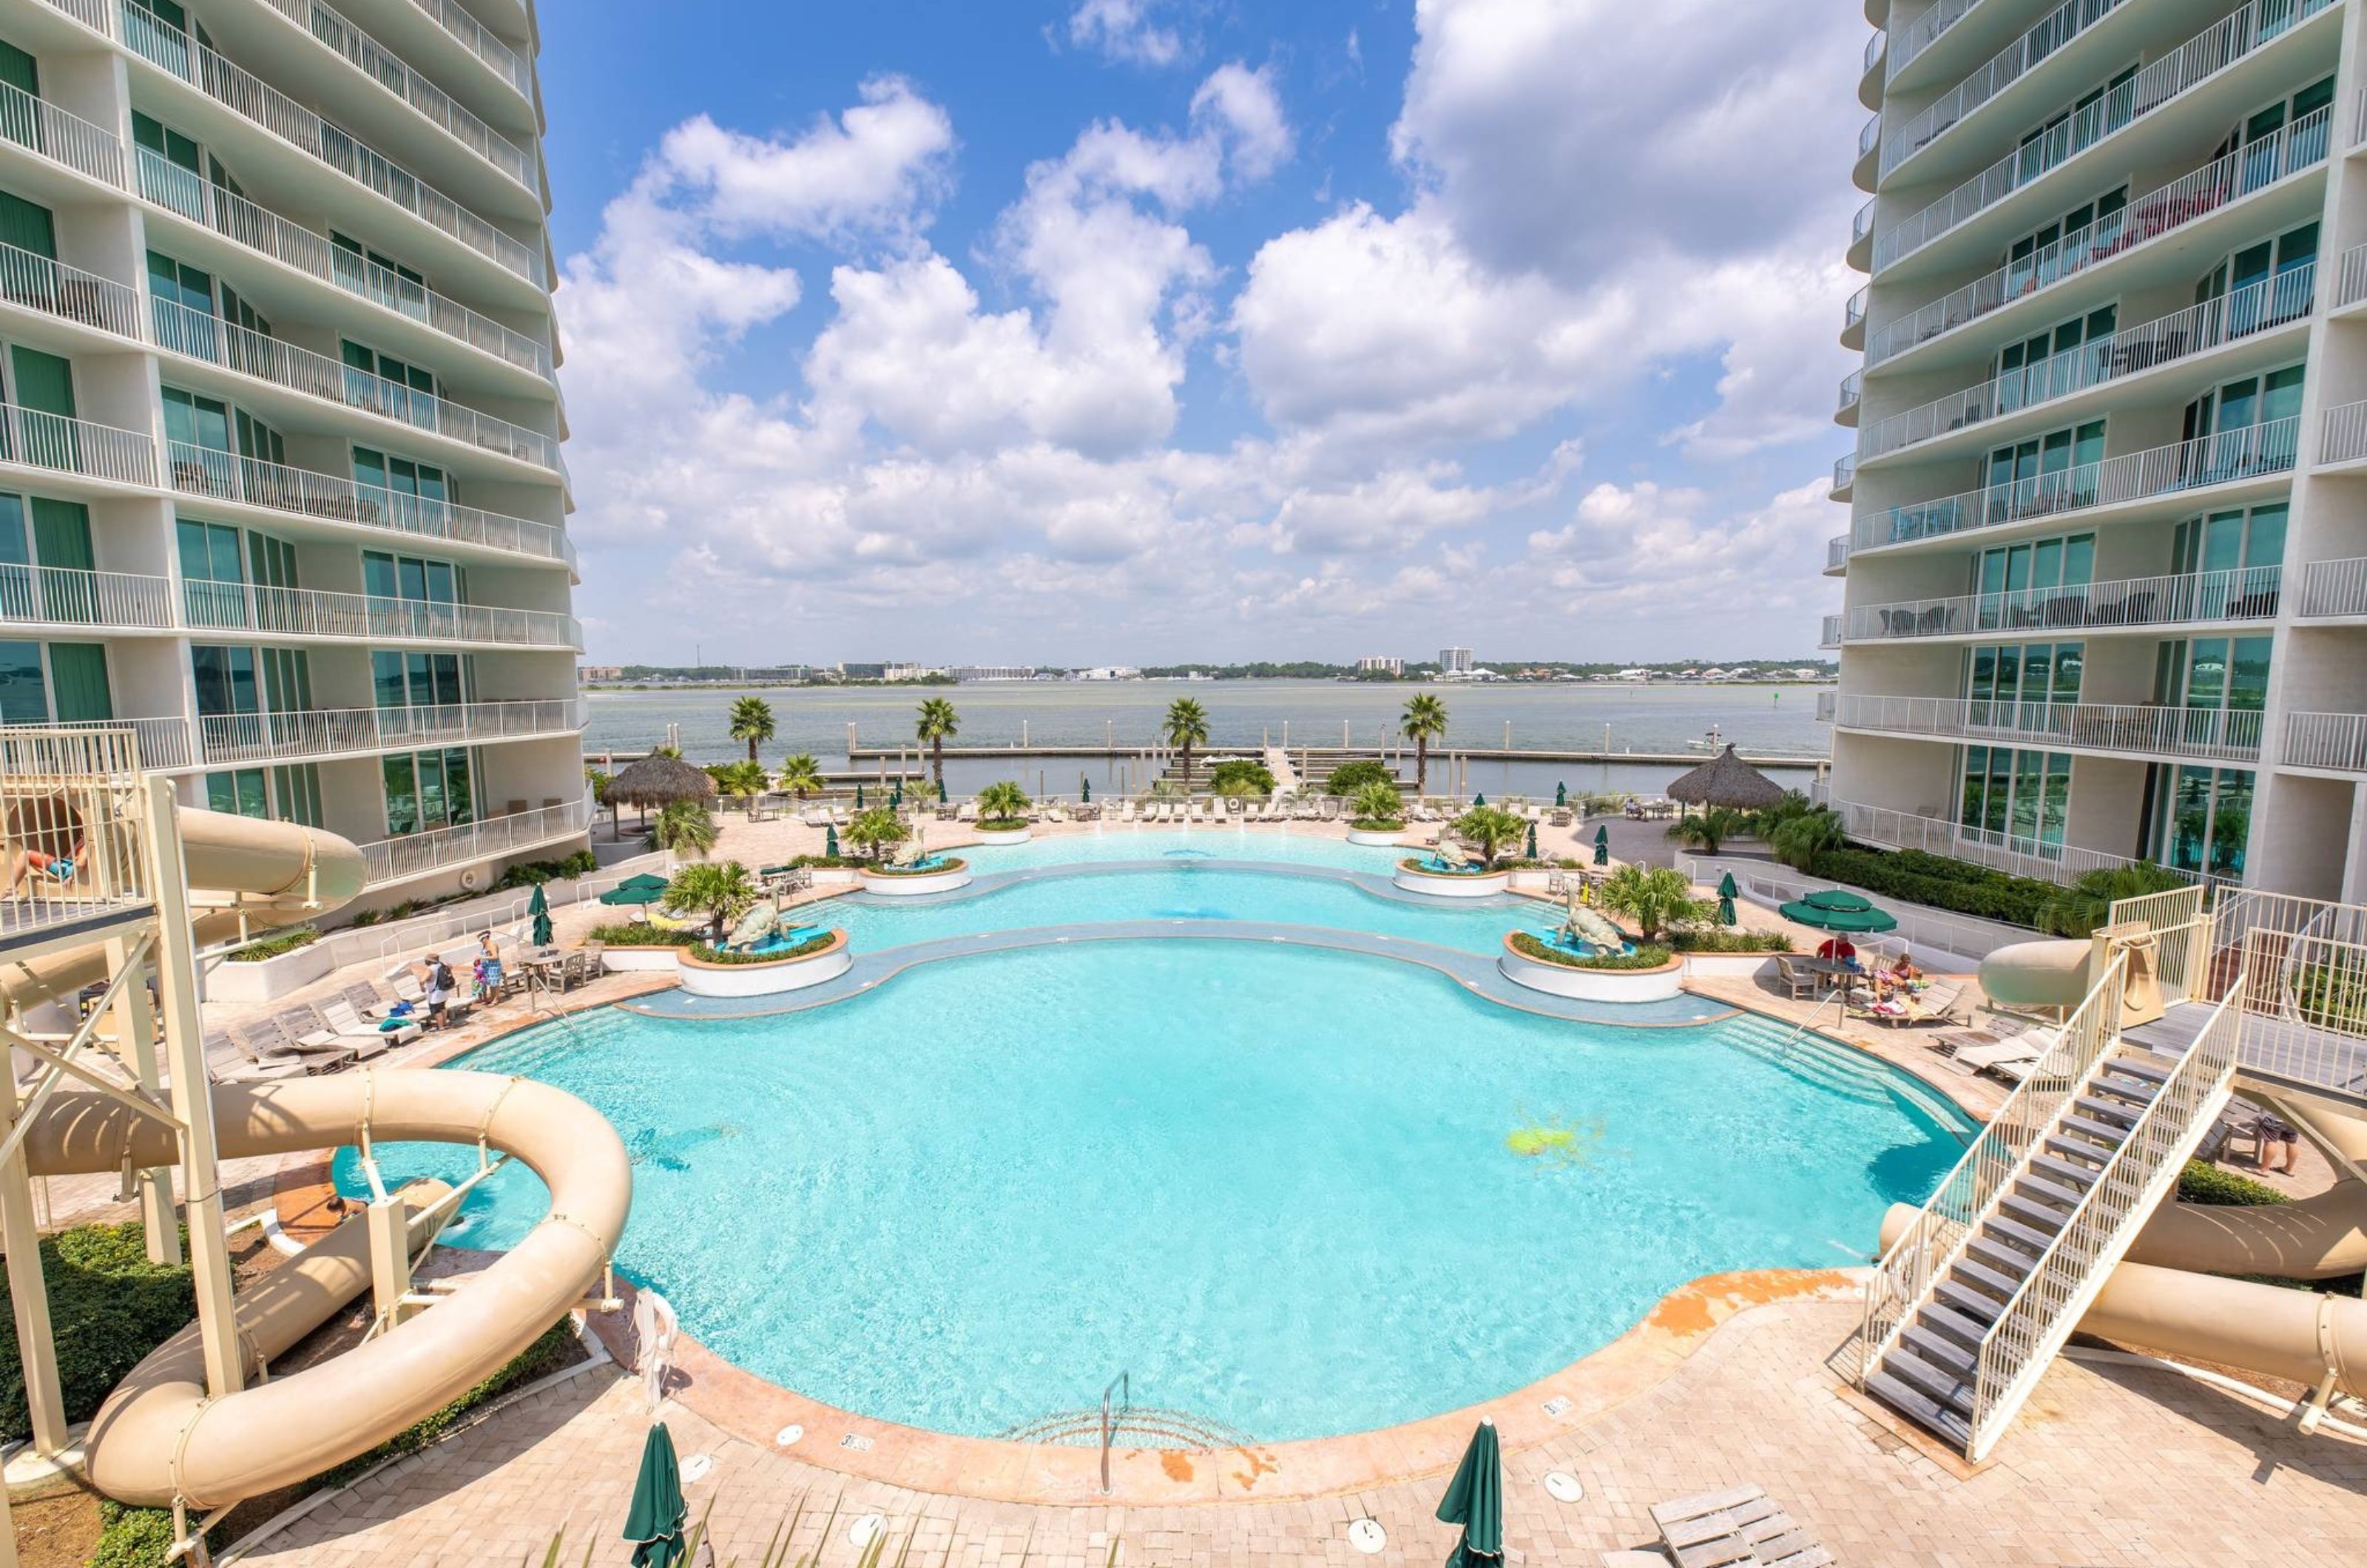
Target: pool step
[[1131, 1427]]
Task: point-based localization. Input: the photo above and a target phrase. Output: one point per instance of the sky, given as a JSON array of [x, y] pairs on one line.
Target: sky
[[1092, 332]]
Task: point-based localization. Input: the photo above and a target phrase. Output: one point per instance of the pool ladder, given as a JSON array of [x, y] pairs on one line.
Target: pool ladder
[[1839, 994], [1121, 1385]]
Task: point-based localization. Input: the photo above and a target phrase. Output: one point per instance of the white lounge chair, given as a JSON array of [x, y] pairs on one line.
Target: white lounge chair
[[349, 1025], [1741, 1527], [1126, 811]]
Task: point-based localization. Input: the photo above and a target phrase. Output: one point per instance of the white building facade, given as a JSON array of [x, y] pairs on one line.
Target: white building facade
[[2106, 567], [1454, 660], [280, 481]]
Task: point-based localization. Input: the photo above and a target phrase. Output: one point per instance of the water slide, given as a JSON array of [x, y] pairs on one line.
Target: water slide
[[159, 1439]]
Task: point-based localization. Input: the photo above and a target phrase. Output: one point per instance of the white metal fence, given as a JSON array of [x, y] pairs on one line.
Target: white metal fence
[[2239, 594], [76, 446], [1940, 935], [503, 60], [1919, 35], [67, 596], [73, 808], [224, 476], [34, 282], [2213, 734], [1939, 834], [415, 854], [1985, 82], [327, 732], [2335, 741], [61, 138]]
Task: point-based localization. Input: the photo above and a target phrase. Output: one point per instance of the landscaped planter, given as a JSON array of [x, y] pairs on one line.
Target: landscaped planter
[[1729, 963], [1374, 837], [269, 979], [1018, 835], [1449, 884], [770, 978], [835, 877], [914, 883], [1592, 984], [640, 960]]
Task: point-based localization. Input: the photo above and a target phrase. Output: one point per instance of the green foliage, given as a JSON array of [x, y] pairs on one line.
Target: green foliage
[[741, 779], [2079, 909], [1002, 804], [133, 1538], [1348, 777], [639, 933], [1654, 897], [685, 826], [800, 774], [1709, 830], [1648, 955], [947, 864], [2202, 1183], [1423, 721], [1377, 807], [1241, 776], [937, 724], [1714, 939], [599, 779], [1801, 840], [287, 939], [1488, 829], [718, 889], [1939, 883], [108, 1307], [876, 829], [707, 953], [752, 721], [528, 873]]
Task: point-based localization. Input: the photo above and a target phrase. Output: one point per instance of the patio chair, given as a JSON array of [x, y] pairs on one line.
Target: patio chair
[[347, 1024], [1800, 980], [262, 1038], [1740, 1525]]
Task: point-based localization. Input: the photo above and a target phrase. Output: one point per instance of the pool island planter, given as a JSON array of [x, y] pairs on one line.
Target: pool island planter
[[998, 837], [768, 978], [1412, 876], [1376, 838], [1591, 985], [944, 879], [655, 959]]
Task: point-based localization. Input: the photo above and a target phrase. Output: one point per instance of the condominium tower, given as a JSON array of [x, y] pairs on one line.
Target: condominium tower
[[2106, 567], [280, 483]]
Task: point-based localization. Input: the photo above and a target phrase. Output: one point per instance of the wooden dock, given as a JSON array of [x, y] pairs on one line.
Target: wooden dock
[[1317, 758]]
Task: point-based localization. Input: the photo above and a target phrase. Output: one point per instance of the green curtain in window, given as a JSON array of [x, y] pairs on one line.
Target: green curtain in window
[[27, 226], [20, 71], [44, 381], [78, 682], [62, 532]]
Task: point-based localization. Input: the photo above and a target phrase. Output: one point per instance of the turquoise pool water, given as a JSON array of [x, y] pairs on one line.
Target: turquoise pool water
[[1272, 1184], [1113, 841]]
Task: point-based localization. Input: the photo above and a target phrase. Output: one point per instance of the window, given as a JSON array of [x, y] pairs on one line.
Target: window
[[245, 793], [213, 585], [24, 693], [416, 679], [259, 441], [409, 486], [2057, 469], [382, 278], [2016, 797], [420, 580], [427, 790], [388, 386], [2020, 584], [2031, 673], [226, 679], [297, 792], [286, 795], [273, 560], [196, 420], [174, 147], [2199, 817], [2038, 257], [2239, 553], [71, 689], [183, 307]]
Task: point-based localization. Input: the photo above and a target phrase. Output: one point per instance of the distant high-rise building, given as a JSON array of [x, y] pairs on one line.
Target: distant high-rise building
[[1454, 660], [1380, 663]]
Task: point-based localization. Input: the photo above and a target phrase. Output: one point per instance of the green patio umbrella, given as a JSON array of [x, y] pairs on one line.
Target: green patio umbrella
[[642, 889], [1837, 909], [1533, 841], [539, 908], [858, 798], [896, 798], [830, 842], [1085, 789], [1475, 1499], [941, 792], [1477, 801], [1726, 892], [654, 1523], [1561, 794], [1601, 846]]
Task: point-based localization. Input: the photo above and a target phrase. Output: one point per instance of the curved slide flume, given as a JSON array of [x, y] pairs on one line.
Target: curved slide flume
[[159, 1439]]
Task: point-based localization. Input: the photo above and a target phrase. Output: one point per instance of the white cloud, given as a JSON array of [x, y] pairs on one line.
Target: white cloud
[[1124, 29], [874, 170], [1246, 106]]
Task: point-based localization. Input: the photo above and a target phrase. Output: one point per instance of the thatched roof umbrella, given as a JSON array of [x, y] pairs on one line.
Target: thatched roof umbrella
[[660, 781], [1727, 780]]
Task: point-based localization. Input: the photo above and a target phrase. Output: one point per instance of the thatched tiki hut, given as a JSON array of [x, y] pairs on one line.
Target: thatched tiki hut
[[660, 781], [1727, 780]]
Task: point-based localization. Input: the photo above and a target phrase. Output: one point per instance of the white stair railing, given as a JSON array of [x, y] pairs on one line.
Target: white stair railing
[[2135, 1178]]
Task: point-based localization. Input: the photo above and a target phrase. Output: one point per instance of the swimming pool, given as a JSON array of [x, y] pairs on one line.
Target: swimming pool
[[1292, 1192], [1116, 842]]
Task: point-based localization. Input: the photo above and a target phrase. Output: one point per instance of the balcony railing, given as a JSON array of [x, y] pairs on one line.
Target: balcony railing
[[1837, 551], [164, 743], [415, 854], [1827, 703], [1863, 225], [2001, 72], [2299, 146], [202, 336], [55, 780], [204, 471], [2334, 588], [1852, 388], [431, 101], [506, 63], [2213, 734], [33, 282], [259, 229], [173, 50], [331, 732], [1919, 34], [56, 595], [2018, 854], [1854, 311], [1844, 472], [2203, 55], [1869, 135], [2232, 457], [60, 137], [1830, 635], [2255, 307], [312, 612], [76, 446], [2342, 436], [2246, 593], [2335, 741], [1875, 47]]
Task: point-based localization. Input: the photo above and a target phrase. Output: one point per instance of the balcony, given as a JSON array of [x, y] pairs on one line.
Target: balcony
[[1862, 235], [64, 139], [1826, 703], [1844, 475], [196, 334], [258, 228], [76, 446], [1831, 636], [222, 476], [1852, 388], [2116, 728], [53, 595], [1853, 319], [2191, 597], [1870, 81], [2001, 70], [416, 854], [1924, 30], [314, 735], [1837, 552], [311, 613], [2334, 590], [30, 281], [2257, 308], [500, 58], [2236, 457], [382, 66], [53, 778], [2330, 742], [243, 93], [163, 743], [2015, 854], [2203, 56], [2342, 435], [2197, 195]]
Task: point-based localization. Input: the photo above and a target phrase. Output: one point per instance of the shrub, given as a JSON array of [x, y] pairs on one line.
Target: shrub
[[274, 944], [133, 1538], [1377, 807], [706, 955], [1242, 776], [108, 1307], [882, 869], [720, 890], [1939, 883], [1655, 898], [2079, 909], [1489, 830], [1652, 955], [1710, 939], [636, 933], [875, 830], [2202, 1183], [1348, 777], [833, 863], [685, 826], [1002, 808], [529, 874]]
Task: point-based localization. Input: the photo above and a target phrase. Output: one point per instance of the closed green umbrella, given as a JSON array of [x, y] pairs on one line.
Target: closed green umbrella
[[1561, 794], [941, 792], [1477, 801], [653, 1524], [539, 908], [1837, 910], [1533, 841], [858, 798], [1475, 1499], [1086, 787], [1726, 891], [896, 798], [1601, 846], [830, 842]]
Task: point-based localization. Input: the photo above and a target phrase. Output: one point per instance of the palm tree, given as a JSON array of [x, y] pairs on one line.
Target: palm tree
[[742, 781], [2080, 908], [1187, 726], [937, 725], [719, 888], [1709, 831], [1001, 803], [800, 774], [683, 827], [876, 829], [1800, 841], [1376, 805], [1488, 829], [1654, 897], [1424, 720], [752, 720]]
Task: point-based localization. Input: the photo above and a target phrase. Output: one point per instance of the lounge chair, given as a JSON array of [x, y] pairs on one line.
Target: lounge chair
[[2022, 1052], [304, 1026], [1741, 1526], [348, 1024], [263, 1040], [229, 1061], [1126, 811], [1934, 1007]]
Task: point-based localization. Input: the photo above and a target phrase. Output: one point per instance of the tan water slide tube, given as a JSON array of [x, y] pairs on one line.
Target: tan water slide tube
[[159, 1439]]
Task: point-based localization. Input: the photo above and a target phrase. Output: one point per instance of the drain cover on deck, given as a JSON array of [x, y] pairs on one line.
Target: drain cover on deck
[[1563, 1487], [1367, 1536]]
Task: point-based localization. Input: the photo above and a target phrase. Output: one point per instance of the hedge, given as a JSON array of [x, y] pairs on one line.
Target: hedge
[[108, 1307], [1651, 956], [1714, 941], [2202, 1183], [706, 954], [878, 869], [1348, 777], [1000, 824], [1940, 882], [1370, 825], [273, 945], [526, 874]]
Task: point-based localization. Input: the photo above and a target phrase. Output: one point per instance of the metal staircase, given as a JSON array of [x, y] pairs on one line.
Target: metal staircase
[[1968, 1307]]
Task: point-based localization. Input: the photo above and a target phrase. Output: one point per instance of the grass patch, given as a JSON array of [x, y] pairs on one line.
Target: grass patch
[[273, 944], [641, 934], [2202, 1183], [1651, 956], [727, 958]]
